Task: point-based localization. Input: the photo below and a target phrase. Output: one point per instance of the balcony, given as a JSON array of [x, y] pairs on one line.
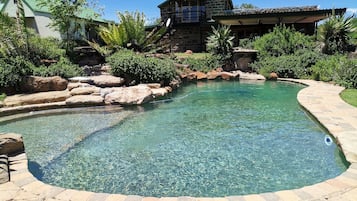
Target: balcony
[[187, 16]]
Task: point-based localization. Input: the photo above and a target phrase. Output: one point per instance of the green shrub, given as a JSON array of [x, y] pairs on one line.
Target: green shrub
[[337, 68], [141, 69], [287, 52], [44, 48], [204, 65], [247, 43], [282, 40], [347, 73], [325, 69], [13, 69], [64, 68], [296, 65]]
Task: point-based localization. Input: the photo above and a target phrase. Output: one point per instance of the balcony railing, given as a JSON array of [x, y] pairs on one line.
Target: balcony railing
[[187, 16]]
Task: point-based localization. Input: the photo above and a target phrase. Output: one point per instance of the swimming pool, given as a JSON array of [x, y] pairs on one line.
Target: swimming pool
[[210, 139]]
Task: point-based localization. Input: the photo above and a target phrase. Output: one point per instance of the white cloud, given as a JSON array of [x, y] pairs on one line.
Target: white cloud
[[351, 10]]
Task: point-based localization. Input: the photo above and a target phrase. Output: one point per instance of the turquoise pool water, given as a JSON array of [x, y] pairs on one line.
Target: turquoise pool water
[[210, 139]]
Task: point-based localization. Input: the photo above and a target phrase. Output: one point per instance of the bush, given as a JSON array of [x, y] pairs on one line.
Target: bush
[[337, 68], [347, 73], [204, 65], [247, 43], [141, 69], [287, 52], [296, 65], [282, 40], [44, 48], [64, 68], [325, 69], [13, 69]]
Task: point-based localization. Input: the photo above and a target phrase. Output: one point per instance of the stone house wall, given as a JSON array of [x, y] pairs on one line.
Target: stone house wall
[[186, 37], [192, 36], [217, 7]]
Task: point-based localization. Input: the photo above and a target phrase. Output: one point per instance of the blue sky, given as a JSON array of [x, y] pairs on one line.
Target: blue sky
[[149, 7]]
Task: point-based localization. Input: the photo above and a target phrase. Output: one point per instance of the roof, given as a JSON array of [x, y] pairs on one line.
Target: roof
[[287, 15], [88, 14], [167, 1], [32, 4]]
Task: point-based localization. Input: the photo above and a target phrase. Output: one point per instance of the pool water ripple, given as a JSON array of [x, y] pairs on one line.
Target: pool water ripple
[[210, 140]]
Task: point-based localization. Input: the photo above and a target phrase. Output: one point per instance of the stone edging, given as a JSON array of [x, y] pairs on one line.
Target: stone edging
[[320, 99]]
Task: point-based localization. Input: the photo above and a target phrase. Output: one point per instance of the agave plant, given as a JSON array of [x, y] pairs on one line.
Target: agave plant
[[220, 42], [335, 33]]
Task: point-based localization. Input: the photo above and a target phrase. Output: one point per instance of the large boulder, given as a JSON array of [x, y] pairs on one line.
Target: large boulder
[[107, 81], [250, 76], [200, 75], [135, 95], [11, 144], [159, 92], [81, 80], [229, 76], [84, 90], [273, 76], [175, 83], [33, 84], [73, 85], [153, 85], [85, 100], [212, 75], [36, 98]]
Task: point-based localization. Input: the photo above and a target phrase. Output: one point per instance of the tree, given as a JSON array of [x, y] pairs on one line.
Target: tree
[[19, 43], [335, 33], [65, 16], [246, 6]]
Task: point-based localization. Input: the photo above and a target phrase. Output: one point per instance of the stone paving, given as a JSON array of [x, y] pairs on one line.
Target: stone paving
[[320, 99]]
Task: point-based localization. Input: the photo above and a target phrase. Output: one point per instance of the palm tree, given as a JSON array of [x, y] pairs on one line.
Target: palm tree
[[335, 33]]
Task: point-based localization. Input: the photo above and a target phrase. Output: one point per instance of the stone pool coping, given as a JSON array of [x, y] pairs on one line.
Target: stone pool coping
[[319, 99]]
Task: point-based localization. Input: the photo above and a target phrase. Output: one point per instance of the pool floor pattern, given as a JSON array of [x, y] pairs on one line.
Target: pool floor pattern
[[320, 99]]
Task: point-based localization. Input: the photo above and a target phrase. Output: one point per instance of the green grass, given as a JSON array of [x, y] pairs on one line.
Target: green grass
[[194, 55], [350, 96]]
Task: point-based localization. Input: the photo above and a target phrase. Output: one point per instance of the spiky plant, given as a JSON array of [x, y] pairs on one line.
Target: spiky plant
[[113, 35], [134, 26], [220, 42], [129, 33], [335, 33]]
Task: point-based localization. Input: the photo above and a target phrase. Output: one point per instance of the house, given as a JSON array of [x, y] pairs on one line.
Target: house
[[192, 20], [39, 19]]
